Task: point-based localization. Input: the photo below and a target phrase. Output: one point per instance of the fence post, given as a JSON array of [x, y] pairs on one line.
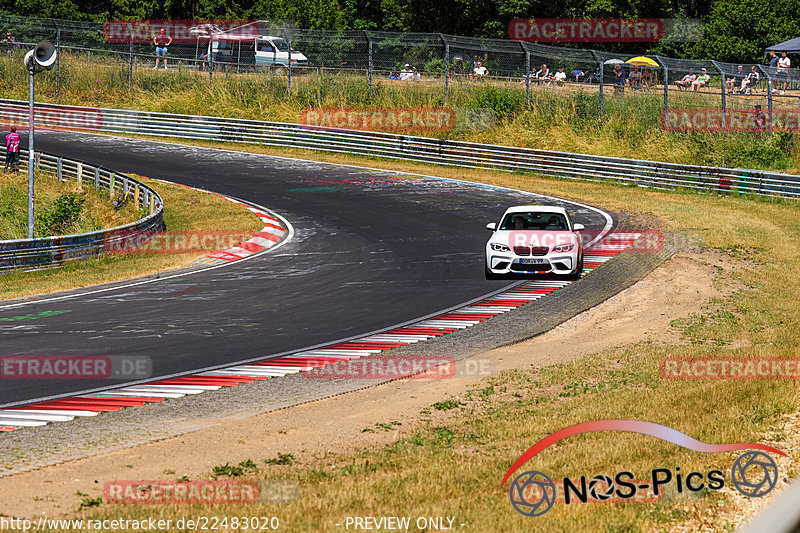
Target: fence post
[[60, 169], [722, 73], [210, 61], [600, 98], [79, 176], [369, 63], [446, 67], [769, 103], [289, 66], [96, 178], [239, 58], [666, 87], [130, 65], [111, 180], [58, 58], [527, 75]]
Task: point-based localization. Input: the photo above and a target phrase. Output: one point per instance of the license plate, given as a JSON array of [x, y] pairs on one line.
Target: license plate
[[533, 261]]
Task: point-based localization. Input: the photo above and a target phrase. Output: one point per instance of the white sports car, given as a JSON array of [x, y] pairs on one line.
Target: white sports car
[[534, 239]]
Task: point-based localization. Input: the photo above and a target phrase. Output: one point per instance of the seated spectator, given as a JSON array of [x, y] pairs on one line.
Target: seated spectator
[[560, 76], [594, 77], [542, 75], [750, 81], [648, 77], [577, 73], [736, 79], [415, 76], [479, 71], [635, 78], [686, 82], [701, 80], [406, 73], [394, 75]]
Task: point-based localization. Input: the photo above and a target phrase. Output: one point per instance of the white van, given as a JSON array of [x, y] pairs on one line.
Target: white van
[[265, 51]]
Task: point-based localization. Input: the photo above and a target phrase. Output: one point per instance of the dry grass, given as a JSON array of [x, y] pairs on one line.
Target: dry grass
[[454, 468], [563, 119], [186, 210]]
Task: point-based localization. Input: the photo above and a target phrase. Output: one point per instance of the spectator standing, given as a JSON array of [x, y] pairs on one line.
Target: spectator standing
[[12, 150], [619, 78], [773, 66], [784, 64], [759, 118], [162, 40], [701, 80]]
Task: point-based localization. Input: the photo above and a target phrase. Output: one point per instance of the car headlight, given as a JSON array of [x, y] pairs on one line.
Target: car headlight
[[499, 247], [563, 248]]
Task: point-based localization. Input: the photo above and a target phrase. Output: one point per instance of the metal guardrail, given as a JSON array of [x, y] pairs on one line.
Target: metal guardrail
[[44, 252], [653, 174]]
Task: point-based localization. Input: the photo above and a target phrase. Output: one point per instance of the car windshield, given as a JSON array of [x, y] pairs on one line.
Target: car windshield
[[281, 45], [534, 221]]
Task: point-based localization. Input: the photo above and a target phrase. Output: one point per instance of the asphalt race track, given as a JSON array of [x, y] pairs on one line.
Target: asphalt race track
[[371, 249]]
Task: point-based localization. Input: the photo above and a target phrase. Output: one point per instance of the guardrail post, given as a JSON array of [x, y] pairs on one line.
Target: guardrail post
[[136, 196], [111, 180], [79, 176], [59, 169], [124, 187], [97, 178], [152, 203]]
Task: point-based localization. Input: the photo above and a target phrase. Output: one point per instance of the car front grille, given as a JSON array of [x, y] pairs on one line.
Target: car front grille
[[539, 250]]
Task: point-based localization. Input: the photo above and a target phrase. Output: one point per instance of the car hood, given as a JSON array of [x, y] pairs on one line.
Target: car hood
[[548, 238]]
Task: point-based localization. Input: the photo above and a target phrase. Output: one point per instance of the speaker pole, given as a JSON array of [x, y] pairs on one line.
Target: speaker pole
[[30, 152]]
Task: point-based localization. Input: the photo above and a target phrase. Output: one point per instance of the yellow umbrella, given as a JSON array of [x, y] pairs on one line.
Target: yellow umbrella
[[643, 61]]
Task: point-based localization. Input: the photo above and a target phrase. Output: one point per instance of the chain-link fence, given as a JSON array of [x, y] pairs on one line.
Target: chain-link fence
[[412, 63]]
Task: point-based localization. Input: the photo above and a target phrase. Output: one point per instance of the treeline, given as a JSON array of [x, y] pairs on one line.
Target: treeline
[[735, 30]]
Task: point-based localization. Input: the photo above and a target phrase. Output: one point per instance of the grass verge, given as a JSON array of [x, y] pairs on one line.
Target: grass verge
[[454, 468], [185, 210], [565, 118]]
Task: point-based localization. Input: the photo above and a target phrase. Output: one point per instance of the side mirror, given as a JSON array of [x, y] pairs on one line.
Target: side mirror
[[491, 226], [578, 227]]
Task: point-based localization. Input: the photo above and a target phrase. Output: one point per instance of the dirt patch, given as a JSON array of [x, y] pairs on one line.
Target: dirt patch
[[318, 430]]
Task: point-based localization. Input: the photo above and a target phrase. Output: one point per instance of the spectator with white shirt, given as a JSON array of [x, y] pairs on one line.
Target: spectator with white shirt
[[560, 76], [406, 73], [479, 71], [784, 64]]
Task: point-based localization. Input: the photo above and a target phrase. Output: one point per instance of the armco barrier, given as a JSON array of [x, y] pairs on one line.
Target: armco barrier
[[53, 251], [653, 174]]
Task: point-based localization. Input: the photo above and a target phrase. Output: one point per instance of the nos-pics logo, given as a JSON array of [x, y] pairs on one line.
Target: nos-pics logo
[[533, 493]]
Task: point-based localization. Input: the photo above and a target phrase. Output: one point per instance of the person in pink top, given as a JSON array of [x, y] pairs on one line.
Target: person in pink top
[[12, 150]]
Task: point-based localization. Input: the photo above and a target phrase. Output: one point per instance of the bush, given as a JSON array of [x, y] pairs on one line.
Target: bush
[[65, 211], [504, 102]]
